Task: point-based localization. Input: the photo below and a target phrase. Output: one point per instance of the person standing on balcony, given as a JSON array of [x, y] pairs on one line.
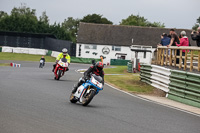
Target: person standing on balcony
[[165, 40], [196, 37], [183, 42], [174, 40]]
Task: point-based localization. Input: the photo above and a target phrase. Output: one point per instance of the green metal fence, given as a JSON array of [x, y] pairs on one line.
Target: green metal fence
[[119, 62], [83, 60], [185, 87]]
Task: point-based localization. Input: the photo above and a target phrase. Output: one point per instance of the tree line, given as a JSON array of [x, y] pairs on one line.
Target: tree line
[[24, 19]]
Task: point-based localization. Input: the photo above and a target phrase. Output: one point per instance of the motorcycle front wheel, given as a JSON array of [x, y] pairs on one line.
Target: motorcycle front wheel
[[88, 98], [72, 98], [59, 74]]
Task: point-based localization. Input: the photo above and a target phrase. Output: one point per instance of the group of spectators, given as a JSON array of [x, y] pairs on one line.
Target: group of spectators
[[182, 40]]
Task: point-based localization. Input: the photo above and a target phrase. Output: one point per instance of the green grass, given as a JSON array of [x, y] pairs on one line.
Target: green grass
[[24, 57], [128, 81], [116, 70]]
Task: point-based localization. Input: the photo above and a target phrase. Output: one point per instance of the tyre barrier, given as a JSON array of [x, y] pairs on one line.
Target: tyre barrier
[[15, 65], [180, 86]]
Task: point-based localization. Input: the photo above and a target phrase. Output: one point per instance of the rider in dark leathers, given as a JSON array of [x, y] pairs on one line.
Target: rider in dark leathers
[[96, 69]]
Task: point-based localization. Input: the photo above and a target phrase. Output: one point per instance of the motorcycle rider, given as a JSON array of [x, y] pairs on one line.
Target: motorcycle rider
[[43, 59], [64, 54], [96, 69]]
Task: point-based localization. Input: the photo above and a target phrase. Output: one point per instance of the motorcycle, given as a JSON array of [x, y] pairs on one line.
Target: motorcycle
[[85, 92], [60, 68], [41, 64]]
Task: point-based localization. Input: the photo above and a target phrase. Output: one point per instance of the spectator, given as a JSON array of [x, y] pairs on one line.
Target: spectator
[[165, 40], [183, 42], [174, 40], [196, 37], [101, 57]]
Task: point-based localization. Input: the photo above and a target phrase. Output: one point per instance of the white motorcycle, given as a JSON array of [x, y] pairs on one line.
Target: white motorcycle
[[85, 92]]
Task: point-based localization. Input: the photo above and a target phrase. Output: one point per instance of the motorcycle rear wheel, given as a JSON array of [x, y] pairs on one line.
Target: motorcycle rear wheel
[[88, 98]]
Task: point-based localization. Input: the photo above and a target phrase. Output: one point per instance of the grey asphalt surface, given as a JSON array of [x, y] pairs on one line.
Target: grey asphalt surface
[[31, 101]]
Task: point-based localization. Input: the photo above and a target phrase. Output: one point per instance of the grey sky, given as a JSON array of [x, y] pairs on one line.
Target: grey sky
[[173, 13]]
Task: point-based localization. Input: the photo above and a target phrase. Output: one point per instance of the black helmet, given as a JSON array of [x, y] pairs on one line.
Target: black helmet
[[99, 65]]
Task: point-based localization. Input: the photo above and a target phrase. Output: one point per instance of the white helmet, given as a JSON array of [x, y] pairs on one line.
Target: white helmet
[[64, 50]]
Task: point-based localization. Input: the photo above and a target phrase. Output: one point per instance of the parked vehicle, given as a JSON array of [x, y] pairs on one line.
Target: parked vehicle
[[85, 92], [60, 68]]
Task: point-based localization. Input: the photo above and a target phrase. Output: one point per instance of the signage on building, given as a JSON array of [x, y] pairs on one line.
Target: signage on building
[[106, 50]]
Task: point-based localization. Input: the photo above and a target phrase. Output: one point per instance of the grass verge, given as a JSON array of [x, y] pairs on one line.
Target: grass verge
[[24, 57], [128, 81]]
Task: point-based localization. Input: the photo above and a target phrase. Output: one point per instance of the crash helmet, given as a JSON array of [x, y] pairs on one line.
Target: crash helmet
[[64, 50], [99, 65]]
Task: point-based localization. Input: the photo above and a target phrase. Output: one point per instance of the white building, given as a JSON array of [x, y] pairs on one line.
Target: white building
[[107, 51], [115, 41]]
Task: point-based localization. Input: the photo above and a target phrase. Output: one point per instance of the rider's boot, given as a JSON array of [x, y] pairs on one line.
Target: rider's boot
[[75, 89], [54, 67]]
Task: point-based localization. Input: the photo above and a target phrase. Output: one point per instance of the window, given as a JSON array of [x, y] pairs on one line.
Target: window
[[116, 48], [90, 46]]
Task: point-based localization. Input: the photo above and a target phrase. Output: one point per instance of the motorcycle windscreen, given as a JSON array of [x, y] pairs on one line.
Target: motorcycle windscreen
[[98, 78], [64, 60]]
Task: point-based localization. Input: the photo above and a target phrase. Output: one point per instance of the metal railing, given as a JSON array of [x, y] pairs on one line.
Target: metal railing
[[170, 55]]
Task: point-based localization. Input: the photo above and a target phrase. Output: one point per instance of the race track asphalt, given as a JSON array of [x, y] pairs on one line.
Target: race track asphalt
[[31, 101]]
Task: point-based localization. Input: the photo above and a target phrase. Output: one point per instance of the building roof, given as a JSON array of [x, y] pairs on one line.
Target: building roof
[[118, 35]]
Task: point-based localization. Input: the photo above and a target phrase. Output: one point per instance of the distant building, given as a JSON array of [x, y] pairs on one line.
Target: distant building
[[114, 41]]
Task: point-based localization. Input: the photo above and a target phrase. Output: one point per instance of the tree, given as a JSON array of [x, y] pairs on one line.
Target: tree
[[140, 21], [96, 18], [22, 19], [3, 14], [43, 23], [71, 25], [197, 24]]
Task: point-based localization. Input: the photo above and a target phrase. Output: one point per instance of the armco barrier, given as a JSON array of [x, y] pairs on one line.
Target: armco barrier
[[24, 50], [7, 49], [129, 67], [180, 86], [184, 87], [156, 76]]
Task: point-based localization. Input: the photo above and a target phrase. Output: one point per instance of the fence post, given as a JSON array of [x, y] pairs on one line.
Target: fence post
[[180, 59], [170, 57], [199, 60], [191, 61], [175, 51], [162, 59], [185, 63], [166, 57]]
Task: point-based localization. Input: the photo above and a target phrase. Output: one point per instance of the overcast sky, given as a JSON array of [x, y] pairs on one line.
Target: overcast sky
[[173, 13]]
